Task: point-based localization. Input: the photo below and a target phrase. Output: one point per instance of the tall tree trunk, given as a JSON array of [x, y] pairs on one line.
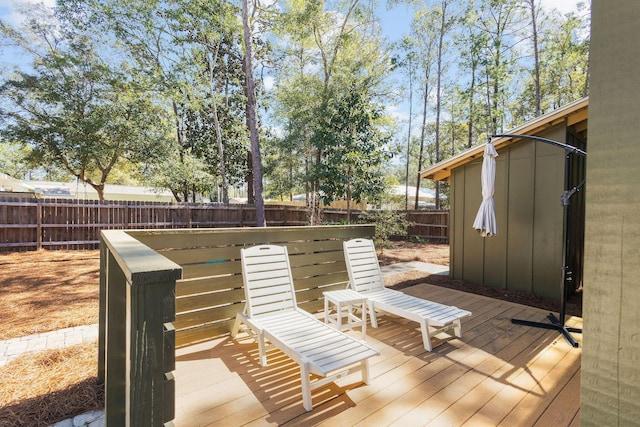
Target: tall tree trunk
[[251, 196], [216, 123], [471, 104], [423, 131], [252, 117], [406, 179], [443, 21], [536, 54]]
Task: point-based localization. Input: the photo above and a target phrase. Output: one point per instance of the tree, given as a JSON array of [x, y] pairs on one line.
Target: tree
[[74, 109], [326, 58], [424, 34], [180, 167], [470, 43], [256, 160], [189, 56], [13, 159], [445, 25], [409, 63], [353, 144], [498, 20], [534, 11]]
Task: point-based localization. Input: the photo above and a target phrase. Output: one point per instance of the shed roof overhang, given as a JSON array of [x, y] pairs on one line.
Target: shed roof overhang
[[574, 114]]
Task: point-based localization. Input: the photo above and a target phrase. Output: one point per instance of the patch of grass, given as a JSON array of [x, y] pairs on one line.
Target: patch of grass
[[39, 389]]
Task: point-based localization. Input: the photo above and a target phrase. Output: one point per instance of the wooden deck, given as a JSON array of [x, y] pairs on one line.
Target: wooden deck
[[497, 374]]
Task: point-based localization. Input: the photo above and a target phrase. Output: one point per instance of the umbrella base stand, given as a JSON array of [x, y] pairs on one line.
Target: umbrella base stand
[[555, 325]]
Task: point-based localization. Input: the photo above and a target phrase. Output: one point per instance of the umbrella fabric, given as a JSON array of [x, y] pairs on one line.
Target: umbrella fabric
[[485, 221]]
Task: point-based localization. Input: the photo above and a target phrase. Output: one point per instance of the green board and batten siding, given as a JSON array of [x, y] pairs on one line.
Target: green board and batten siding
[[610, 383], [526, 254]]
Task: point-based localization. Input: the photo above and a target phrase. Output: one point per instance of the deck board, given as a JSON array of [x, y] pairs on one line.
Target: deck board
[[498, 373]]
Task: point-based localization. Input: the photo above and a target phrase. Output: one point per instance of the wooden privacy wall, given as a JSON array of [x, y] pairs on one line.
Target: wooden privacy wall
[[30, 223], [210, 292]]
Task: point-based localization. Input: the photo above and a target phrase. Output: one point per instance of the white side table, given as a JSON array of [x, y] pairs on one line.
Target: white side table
[[344, 302]]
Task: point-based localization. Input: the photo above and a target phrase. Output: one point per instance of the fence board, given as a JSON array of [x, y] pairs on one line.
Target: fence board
[[29, 223]]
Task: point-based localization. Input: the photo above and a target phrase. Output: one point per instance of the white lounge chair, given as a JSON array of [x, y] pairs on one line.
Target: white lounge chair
[[272, 314], [365, 278]]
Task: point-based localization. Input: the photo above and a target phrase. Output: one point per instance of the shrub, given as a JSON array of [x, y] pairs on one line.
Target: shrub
[[388, 224]]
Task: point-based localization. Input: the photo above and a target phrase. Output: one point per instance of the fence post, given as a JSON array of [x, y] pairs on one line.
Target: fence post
[[137, 336], [39, 224]]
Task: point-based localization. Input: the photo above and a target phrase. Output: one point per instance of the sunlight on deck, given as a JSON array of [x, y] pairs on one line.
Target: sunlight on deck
[[497, 373]]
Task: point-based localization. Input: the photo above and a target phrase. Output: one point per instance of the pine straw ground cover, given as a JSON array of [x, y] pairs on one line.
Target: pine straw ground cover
[[40, 292], [48, 290], [45, 387]]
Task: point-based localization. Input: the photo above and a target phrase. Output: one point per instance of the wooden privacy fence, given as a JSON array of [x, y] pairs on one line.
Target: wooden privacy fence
[[33, 223], [149, 303]]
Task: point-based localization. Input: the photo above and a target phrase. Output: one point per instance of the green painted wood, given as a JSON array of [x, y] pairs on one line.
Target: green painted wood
[[115, 302], [140, 302], [610, 369], [547, 220], [321, 281], [169, 393], [210, 292], [456, 225], [201, 301], [102, 315], [203, 333], [208, 284], [207, 315], [202, 255], [212, 269], [520, 216], [316, 305], [147, 365], [139, 263], [495, 247], [193, 238], [473, 243]]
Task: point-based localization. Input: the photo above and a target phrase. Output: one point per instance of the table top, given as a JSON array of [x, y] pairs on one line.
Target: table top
[[344, 295]]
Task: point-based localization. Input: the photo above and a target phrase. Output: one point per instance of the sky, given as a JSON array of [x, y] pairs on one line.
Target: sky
[[394, 22]]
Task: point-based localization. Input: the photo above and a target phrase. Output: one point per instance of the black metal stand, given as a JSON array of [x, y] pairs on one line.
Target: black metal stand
[[558, 323]]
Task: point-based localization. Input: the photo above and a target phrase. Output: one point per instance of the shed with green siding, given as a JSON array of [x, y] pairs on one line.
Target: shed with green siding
[[526, 254]]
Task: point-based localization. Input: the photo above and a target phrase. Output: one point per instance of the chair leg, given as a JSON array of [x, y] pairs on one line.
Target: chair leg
[[306, 387], [262, 350], [457, 329], [372, 313], [366, 376], [426, 339], [236, 326]]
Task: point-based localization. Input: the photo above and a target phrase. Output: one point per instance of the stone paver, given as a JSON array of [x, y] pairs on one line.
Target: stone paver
[[14, 347]]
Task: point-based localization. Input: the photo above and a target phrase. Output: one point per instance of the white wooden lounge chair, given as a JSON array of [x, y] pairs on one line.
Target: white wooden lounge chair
[[365, 278], [271, 313]]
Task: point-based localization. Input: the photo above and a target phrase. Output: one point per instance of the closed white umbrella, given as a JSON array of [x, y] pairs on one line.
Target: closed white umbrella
[[485, 221]]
